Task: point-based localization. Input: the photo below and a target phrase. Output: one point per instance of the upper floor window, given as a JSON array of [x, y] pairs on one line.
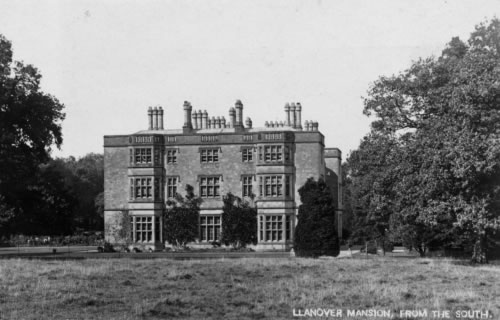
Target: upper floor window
[[247, 186], [145, 188], [171, 187], [273, 185], [142, 155], [171, 156], [247, 154], [273, 153], [209, 155], [141, 188], [209, 187]]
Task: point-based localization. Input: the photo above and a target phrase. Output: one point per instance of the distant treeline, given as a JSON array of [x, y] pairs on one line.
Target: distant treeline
[[64, 196]]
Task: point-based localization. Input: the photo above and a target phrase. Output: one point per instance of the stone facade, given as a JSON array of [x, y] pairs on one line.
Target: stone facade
[[215, 156]]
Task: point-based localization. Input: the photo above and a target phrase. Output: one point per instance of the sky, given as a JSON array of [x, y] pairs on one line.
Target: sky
[[108, 61]]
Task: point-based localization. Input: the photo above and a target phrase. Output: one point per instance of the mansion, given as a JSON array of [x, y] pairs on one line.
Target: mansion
[[266, 164]]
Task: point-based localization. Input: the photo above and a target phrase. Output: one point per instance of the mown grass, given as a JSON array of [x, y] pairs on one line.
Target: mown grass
[[238, 289]]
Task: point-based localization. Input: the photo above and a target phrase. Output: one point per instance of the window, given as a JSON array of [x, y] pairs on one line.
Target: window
[[288, 228], [273, 153], [143, 227], [141, 188], [272, 186], [274, 228], [171, 187], [209, 155], [210, 227], [171, 156], [247, 154], [157, 229], [247, 186], [142, 155], [209, 187]]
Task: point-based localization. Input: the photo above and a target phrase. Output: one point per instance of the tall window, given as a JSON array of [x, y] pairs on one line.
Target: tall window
[[273, 153], [209, 155], [247, 186], [247, 155], [141, 188], [171, 156], [171, 187], [209, 187], [143, 227], [142, 155], [210, 227], [274, 228]]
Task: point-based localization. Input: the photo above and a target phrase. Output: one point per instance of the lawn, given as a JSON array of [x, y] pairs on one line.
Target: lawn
[[248, 288]]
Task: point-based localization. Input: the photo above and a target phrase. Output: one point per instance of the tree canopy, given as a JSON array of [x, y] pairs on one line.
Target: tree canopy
[[30, 125], [429, 171]]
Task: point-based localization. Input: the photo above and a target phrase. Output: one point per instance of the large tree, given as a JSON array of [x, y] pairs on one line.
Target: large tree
[[444, 113], [30, 125]]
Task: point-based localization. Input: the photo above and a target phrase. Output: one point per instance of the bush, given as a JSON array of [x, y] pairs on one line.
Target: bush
[[316, 234], [239, 222], [181, 220]]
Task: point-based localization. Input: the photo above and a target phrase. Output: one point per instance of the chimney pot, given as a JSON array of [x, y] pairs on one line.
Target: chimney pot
[[150, 118], [160, 114], [155, 118]]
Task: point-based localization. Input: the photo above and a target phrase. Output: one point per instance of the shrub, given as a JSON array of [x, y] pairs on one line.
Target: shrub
[[181, 219], [316, 234], [239, 222]]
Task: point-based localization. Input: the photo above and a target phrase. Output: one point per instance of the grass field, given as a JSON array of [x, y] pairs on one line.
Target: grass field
[[240, 288]]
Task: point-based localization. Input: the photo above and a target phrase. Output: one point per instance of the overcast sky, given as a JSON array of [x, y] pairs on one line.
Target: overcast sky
[[107, 61]]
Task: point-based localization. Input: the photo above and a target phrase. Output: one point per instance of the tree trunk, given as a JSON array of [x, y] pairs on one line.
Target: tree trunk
[[479, 254]]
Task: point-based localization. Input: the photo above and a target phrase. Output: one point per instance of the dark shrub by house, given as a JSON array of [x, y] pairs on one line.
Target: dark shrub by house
[[239, 222], [316, 234], [181, 219]]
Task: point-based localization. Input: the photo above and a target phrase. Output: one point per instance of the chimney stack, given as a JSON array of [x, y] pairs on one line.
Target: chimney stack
[[293, 115], [287, 111], [239, 113], [160, 120], [218, 122], [223, 122], [213, 123], [306, 124], [200, 116], [155, 118], [232, 117], [248, 123], [298, 111], [187, 115], [195, 120], [204, 119], [150, 118]]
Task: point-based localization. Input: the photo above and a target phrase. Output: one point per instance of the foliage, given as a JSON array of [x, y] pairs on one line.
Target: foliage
[[30, 124], [239, 222], [181, 218], [436, 179], [316, 234]]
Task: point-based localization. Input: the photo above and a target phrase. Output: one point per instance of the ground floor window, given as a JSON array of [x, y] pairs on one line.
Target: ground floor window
[[275, 228], [210, 227], [142, 229]]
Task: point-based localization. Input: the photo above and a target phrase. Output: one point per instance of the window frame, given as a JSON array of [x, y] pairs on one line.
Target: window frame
[[209, 186], [210, 231]]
